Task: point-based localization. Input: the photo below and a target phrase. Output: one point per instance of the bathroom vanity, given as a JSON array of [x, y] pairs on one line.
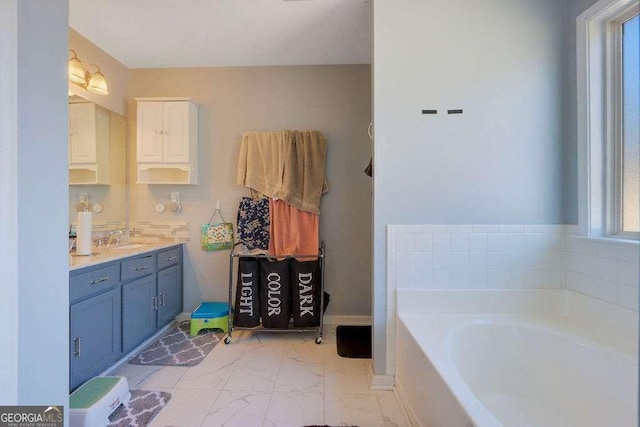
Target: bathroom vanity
[[118, 299]]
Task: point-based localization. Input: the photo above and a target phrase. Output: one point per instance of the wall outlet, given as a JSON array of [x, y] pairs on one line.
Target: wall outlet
[[84, 198]]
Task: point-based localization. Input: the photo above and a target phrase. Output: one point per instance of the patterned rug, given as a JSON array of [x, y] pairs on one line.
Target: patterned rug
[[143, 406], [177, 348]]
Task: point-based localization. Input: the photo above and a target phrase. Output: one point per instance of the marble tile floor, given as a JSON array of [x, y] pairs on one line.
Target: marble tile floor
[[269, 379]]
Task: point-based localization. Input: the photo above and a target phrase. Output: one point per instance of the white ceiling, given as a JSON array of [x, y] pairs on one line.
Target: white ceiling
[[204, 33]]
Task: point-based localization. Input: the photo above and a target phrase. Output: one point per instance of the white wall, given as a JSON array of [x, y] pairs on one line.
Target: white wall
[[38, 314], [501, 61]]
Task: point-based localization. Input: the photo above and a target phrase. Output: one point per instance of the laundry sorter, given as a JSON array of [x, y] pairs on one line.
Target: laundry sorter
[[239, 260]]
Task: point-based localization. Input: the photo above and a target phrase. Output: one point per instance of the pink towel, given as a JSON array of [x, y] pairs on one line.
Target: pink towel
[[292, 231]]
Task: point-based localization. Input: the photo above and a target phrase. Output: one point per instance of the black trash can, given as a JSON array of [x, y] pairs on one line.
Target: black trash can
[[306, 281], [275, 293], [247, 308]]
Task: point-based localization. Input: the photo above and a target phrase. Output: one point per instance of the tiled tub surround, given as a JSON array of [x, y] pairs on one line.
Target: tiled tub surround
[[548, 357], [507, 257]]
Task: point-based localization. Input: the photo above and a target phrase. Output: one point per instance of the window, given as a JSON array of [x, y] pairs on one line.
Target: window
[[627, 210], [608, 74]]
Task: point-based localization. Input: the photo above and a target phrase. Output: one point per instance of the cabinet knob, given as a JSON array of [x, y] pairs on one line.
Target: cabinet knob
[[172, 258], [144, 267], [154, 303], [161, 298]]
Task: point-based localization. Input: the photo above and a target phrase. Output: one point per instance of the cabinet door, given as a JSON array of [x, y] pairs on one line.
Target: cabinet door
[[169, 294], [176, 132], [139, 305], [150, 132], [94, 336], [82, 133]]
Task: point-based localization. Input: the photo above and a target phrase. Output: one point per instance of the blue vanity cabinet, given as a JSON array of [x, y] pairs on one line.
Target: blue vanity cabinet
[[94, 335], [139, 304], [117, 305], [139, 299], [169, 284], [169, 294], [151, 301]]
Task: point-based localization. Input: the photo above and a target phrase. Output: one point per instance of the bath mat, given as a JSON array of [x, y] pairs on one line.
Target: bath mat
[[354, 341], [177, 348], [143, 406]]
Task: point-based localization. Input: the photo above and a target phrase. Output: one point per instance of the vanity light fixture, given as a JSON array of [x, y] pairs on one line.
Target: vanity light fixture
[[96, 82], [76, 69], [81, 76]]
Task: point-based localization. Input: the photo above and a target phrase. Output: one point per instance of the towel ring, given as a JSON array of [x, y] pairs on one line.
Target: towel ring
[[370, 130]]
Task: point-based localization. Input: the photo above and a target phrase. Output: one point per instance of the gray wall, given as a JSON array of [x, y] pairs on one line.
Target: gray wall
[[42, 255], [335, 100], [502, 160]]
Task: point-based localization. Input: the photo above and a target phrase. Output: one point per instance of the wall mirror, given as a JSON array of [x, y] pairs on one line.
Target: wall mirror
[[97, 164]]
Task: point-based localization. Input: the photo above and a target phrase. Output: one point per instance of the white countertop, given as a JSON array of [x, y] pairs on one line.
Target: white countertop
[[113, 253]]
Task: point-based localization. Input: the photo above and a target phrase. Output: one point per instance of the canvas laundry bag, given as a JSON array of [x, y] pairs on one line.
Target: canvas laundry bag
[[275, 293], [247, 307], [306, 281]]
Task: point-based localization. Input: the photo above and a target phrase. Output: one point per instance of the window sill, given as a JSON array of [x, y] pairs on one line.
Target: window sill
[[618, 240]]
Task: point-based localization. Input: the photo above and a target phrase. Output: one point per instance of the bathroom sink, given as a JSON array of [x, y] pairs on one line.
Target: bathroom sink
[[128, 246]]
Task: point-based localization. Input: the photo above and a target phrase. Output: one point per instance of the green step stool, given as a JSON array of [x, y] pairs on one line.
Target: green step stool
[[92, 403], [210, 315]]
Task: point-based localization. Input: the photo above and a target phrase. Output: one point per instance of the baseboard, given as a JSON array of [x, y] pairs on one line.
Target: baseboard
[[328, 320], [183, 316], [347, 320], [404, 406], [379, 382]]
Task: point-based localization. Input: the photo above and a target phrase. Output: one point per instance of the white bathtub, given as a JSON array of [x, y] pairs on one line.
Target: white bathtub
[[516, 358]]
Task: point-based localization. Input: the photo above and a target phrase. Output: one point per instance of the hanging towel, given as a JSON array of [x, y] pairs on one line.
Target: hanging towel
[[253, 223], [304, 179], [261, 161], [292, 231], [286, 165]]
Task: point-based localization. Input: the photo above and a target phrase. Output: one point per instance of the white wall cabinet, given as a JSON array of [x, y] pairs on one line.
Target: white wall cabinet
[[167, 141], [88, 144]]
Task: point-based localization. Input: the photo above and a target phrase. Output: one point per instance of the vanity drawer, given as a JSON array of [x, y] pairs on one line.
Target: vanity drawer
[[169, 257], [93, 282], [138, 267]]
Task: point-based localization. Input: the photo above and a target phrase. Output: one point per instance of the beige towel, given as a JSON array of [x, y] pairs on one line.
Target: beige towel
[[287, 165], [261, 161], [304, 179]]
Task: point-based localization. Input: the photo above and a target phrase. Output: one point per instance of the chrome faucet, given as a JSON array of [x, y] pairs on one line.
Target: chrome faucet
[[113, 238]]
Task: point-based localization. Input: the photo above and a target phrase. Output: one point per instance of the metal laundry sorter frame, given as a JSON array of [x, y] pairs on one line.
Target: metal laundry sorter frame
[[319, 329]]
